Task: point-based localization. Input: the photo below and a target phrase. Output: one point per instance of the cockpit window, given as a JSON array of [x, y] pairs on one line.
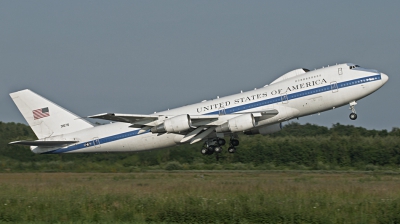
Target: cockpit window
[[305, 70], [354, 66]]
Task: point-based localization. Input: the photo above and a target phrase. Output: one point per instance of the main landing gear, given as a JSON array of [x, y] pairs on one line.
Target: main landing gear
[[232, 145], [212, 146], [353, 114]]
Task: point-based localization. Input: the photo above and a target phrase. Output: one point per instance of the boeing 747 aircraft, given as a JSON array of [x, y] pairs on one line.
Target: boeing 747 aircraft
[[298, 93]]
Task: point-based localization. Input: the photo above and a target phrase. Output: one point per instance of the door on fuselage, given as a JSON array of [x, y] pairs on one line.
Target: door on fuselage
[[284, 98], [340, 71], [96, 143], [334, 87], [221, 111]]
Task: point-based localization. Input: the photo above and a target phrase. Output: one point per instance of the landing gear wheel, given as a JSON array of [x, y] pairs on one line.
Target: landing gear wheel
[[218, 149], [211, 150], [221, 141], [353, 116], [231, 149], [204, 151], [234, 142]]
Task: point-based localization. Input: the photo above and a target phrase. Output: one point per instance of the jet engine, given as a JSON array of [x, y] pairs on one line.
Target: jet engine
[[174, 125], [237, 124], [265, 130]]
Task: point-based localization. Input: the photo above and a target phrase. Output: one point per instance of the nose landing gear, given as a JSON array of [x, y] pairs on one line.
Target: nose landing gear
[[353, 114]]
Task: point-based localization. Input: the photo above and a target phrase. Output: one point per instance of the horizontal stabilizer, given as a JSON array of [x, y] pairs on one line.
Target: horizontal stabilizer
[[43, 143]]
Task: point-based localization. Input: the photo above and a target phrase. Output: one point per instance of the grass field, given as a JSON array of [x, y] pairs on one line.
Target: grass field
[[200, 197]]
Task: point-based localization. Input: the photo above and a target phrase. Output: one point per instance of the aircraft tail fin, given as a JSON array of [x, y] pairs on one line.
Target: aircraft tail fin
[[45, 117]]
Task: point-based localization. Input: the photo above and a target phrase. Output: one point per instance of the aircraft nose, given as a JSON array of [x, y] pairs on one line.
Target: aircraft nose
[[384, 78]]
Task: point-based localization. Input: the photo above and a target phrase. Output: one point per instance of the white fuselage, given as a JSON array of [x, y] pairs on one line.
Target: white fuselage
[[301, 95]]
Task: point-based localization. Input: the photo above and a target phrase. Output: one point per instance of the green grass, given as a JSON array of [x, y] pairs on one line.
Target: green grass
[[200, 197]]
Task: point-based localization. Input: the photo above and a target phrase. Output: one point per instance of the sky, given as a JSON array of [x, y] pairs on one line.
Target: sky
[[140, 57]]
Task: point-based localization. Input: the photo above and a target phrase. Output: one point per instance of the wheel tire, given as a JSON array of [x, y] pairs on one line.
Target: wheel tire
[[204, 151], [221, 141], [235, 142], [218, 149], [211, 149], [353, 116], [231, 149]]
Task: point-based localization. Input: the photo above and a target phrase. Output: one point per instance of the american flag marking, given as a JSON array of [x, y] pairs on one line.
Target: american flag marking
[[40, 113]]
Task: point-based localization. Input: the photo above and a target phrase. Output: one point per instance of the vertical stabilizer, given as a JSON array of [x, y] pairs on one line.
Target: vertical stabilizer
[[45, 117]]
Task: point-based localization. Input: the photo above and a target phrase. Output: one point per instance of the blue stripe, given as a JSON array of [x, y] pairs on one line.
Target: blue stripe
[[326, 88], [278, 99], [94, 143]]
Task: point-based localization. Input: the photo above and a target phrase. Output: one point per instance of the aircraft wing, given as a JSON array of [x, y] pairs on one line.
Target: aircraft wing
[[264, 114], [141, 120], [148, 120], [272, 112], [127, 118], [43, 143], [201, 125]]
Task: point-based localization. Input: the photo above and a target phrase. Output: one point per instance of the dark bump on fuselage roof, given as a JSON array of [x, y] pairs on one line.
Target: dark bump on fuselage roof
[[352, 66]]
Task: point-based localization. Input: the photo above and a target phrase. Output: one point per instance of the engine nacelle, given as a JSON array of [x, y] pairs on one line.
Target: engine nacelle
[[265, 130], [240, 123], [174, 125]]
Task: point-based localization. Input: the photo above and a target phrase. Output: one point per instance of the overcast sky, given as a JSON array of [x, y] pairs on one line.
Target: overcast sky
[[144, 56]]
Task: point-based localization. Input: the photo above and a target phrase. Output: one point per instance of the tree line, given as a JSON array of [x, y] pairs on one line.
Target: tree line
[[296, 146]]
